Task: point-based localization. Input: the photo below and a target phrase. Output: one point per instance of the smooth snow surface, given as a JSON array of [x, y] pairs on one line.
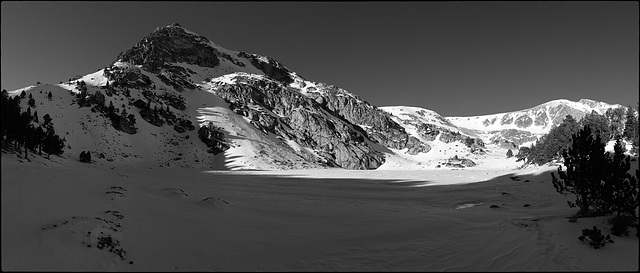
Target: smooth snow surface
[[55, 214]]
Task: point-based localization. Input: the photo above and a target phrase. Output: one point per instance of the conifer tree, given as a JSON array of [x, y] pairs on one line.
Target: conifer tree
[[631, 128], [616, 118], [52, 144], [586, 164], [599, 126], [40, 136], [621, 189]]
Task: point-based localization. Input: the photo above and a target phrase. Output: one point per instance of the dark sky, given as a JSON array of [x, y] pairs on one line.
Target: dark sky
[[456, 58]]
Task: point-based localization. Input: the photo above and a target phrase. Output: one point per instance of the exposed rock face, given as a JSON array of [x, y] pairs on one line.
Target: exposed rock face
[[416, 146], [127, 76], [505, 144], [284, 111], [183, 125], [511, 137], [272, 68], [171, 44], [428, 131], [377, 123], [541, 119], [456, 162], [448, 137], [506, 120], [467, 162], [523, 121], [488, 122]]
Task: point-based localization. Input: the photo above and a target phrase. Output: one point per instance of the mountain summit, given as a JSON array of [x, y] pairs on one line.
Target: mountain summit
[[172, 44]]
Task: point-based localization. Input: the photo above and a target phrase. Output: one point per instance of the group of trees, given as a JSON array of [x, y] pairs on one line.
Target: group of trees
[[631, 130], [213, 137], [550, 146], [26, 129], [120, 120], [614, 124], [599, 180]]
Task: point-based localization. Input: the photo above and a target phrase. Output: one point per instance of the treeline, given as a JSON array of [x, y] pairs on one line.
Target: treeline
[[616, 123], [26, 129]]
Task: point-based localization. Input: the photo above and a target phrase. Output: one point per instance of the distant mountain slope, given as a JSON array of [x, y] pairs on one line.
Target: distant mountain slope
[[538, 119], [507, 130]]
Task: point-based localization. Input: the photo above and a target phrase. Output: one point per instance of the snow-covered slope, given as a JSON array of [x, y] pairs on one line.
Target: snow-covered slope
[[415, 115], [537, 120]]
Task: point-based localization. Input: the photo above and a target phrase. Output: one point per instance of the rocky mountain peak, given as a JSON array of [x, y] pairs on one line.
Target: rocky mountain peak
[[171, 44]]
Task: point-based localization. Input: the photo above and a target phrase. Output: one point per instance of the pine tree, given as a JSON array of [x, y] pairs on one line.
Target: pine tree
[[586, 164], [50, 96], [616, 118], [599, 126], [111, 108], [52, 144], [621, 189], [40, 136], [85, 157], [509, 153], [631, 128]]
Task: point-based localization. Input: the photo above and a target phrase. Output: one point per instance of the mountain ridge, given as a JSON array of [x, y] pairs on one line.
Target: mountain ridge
[[178, 99]]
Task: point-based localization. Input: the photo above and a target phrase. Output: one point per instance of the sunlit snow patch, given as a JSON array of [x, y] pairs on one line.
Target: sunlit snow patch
[[467, 205]]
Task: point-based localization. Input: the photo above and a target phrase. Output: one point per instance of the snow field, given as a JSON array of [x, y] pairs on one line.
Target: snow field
[[189, 219]]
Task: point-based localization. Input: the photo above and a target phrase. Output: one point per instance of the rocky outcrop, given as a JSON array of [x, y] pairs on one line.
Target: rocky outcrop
[[176, 77], [271, 68], [541, 118], [415, 146], [127, 77], [284, 111], [507, 119], [171, 44], [183, 125], [449, 136], [377, 124], [428, 131], [456, 162], [513, 136], [523, 121], [505, 144]]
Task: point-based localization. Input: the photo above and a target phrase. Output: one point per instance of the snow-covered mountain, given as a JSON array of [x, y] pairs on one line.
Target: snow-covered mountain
[[538, 119], [178, 99], [508, 130], [519, 127]]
